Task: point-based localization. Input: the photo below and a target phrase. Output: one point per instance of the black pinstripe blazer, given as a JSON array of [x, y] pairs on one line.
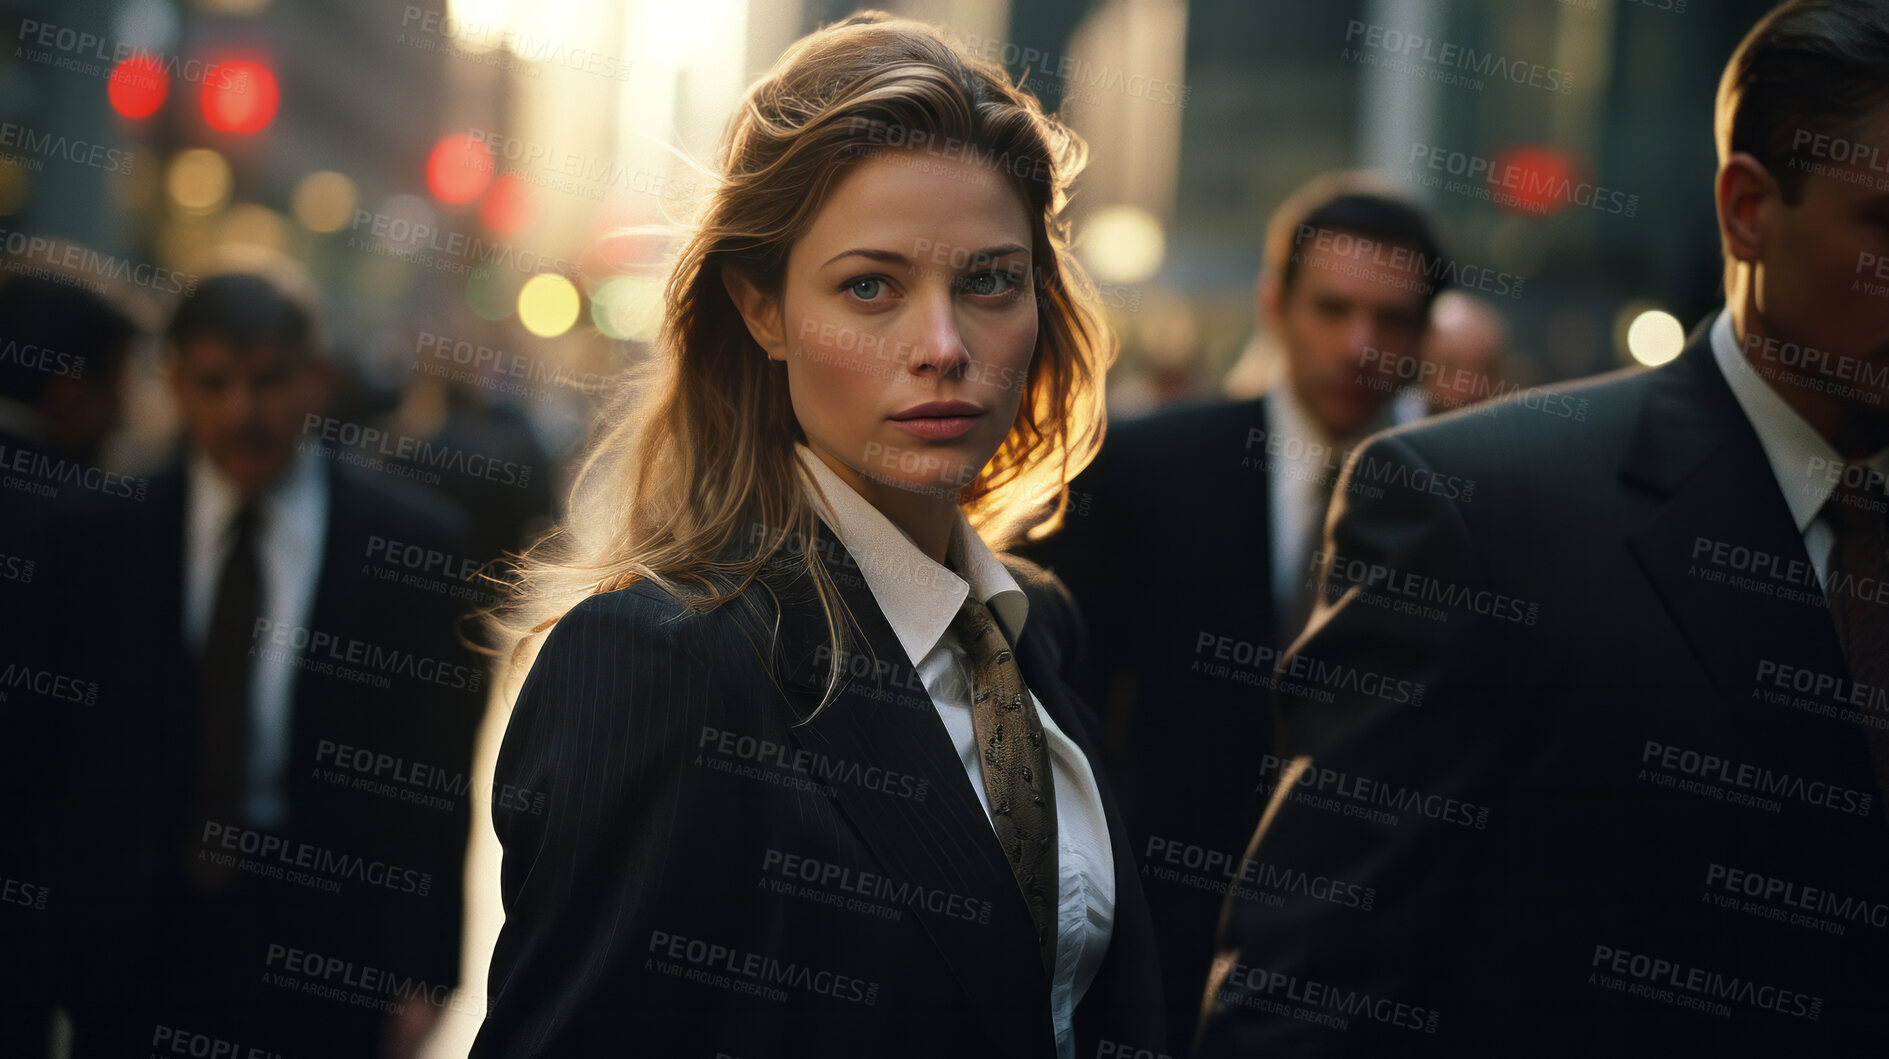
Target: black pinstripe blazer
[[710, 879]]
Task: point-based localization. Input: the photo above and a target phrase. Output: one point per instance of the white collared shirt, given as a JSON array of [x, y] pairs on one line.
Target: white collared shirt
[[1309, 461], [920, 598], [1791, 445], [1293, 484], [293, 528]]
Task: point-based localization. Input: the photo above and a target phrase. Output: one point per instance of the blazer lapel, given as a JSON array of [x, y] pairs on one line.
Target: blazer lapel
[[937, 835], [1712, 495], [1254, 547]]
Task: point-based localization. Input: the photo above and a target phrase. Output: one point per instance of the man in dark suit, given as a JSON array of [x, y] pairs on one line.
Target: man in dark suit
[[1187, 545], [63, 347], [270, 798], [1590, 762]]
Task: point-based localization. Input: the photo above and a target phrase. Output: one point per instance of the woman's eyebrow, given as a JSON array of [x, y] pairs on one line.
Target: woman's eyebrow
[[891, 257]]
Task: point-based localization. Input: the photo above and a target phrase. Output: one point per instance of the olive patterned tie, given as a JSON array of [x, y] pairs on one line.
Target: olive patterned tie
[[1015, 759]]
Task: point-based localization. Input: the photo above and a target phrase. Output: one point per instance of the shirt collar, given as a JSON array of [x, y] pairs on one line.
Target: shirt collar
[[919, 597], [1790, 443], [289, 506], [1287, 417]]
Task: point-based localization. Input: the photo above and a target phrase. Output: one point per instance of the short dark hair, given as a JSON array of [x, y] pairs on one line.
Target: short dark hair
[[1356, 204], [50, 328], [1809, 67], [250, 306]]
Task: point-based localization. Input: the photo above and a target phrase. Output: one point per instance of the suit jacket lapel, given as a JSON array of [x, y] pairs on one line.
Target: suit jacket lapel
[[1255, 546], [938, 837], [1710, 494]]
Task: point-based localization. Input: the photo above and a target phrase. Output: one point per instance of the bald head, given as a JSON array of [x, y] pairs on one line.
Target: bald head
[[1467, 342]]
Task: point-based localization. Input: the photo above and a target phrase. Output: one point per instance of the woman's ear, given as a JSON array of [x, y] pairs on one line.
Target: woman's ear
[[760, 310]]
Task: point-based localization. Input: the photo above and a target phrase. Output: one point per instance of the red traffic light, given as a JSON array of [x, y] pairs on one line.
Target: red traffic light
[[458, 169], [138, 87], [240, 97]]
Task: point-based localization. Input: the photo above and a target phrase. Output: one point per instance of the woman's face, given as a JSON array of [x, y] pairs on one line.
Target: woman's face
[[907, 320]]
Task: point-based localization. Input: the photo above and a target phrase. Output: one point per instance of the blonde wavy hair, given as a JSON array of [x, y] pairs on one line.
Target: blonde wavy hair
[[692, 481]]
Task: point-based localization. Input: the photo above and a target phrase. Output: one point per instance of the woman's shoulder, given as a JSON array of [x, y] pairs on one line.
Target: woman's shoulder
[[1038, 582], [641, 614]]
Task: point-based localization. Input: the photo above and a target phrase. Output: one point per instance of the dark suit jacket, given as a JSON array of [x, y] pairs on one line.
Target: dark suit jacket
[[39, 477], [1167, 546], [711, 878], [366, 870], [1549, 792]]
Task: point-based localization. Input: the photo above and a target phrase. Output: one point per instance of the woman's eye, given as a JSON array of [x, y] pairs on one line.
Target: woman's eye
[[866, 288], [996, 281]]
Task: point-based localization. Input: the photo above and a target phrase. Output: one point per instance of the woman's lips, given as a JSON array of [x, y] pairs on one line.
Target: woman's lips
[[937, 428]]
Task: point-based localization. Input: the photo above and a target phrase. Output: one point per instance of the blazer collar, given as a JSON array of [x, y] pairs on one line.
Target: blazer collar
[[882, 716], [1712, 534], [918, 596]]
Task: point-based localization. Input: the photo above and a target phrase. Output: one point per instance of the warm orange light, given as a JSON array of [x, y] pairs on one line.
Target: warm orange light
[[1537, 181], [511, 206], [138, 87], [458, 169], [240, 97]]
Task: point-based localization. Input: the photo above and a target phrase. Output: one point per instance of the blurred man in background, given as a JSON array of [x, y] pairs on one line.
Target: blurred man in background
[[1639, 807], [1190, 539], [1466, 353], [63, 348], [269, 804]]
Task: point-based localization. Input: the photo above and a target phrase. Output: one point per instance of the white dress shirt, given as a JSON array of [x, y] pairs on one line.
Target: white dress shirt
[[1305, 456], [920, 598], [292, 528], [1790, 444], [1309, 460]]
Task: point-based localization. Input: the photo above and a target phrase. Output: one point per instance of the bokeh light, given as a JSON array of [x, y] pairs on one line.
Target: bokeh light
[[1123, 244], [324, 201], [138, 87], [479, 25], [548, 305], [458, 169], [199, 180], [247, 224], [1543, 181], [628, 307], [1655, 337], [511, 206], [240, 97]]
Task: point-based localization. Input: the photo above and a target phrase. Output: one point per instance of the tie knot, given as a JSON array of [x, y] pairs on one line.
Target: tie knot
[[1859, 501], [974, 623], [247, 519]]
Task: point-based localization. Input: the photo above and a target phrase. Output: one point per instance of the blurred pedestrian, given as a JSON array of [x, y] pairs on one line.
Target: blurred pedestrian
[[1193, 541], [270, 797], [1632, 799]]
